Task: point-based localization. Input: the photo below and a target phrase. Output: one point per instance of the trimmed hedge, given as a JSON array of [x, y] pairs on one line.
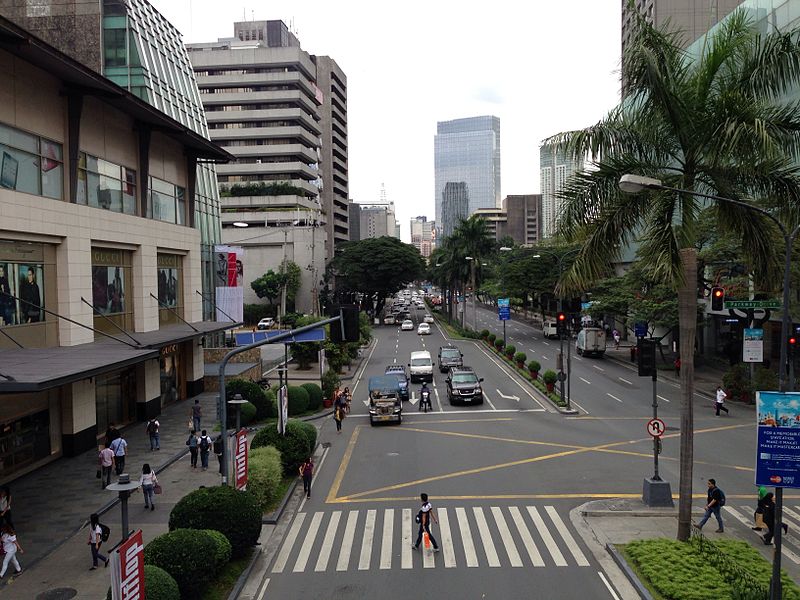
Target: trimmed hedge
[[193, 558], [314, 395], [247, 416], [298, 400], [158, 585], [264, 474], [330, 381], [251, 392], [296, 446], [235, 514]]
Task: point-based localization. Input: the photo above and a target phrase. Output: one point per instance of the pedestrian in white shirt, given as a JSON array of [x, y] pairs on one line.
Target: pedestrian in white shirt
[[148, 480], [10, 547], [719, 403], [95, 539]]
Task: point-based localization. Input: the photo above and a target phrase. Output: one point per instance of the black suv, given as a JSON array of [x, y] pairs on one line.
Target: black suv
[[464, 386], [450, 356], [399, 371]]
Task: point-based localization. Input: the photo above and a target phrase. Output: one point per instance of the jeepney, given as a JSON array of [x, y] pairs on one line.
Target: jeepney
[[385, 404]]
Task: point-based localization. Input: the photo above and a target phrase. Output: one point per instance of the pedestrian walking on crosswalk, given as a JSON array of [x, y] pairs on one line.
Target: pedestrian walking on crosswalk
[[424, 516]]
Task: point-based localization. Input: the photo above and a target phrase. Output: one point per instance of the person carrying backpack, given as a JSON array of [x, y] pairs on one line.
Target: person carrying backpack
[[306, 471], [98, 533], [424, 517], [716, 500], [205, 447], [192, 443], [152, 431]]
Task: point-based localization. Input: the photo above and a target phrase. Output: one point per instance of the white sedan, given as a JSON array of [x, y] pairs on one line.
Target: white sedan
[[408, 325], [424, 329], [428, 319]]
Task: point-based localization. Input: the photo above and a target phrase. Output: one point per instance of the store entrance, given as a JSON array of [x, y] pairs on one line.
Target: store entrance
[[171, 373], [115, 398]]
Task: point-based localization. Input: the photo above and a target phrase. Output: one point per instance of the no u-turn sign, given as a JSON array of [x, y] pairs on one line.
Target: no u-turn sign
[[656, 427]]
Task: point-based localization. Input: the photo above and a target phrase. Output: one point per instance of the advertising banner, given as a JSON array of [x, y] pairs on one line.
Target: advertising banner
[[503, 309], [229, 282], [778, 449], [240, 459], [283, 409], [753, 346], [127, 569]]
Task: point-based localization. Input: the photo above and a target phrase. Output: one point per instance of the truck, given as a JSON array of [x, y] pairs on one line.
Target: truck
[[591, 342], [385, 404]]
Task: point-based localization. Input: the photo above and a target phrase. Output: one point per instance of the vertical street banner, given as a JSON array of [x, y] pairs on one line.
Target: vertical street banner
[[229, 282], [240, 459], [778, 449], [753, 346], [283, 409], [127, 569], [503, 309]]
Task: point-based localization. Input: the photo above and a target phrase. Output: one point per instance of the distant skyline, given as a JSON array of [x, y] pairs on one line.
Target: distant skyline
[[541, 68]]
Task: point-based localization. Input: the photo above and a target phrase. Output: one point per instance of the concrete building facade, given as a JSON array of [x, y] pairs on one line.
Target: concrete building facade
[[423, 235], [555, 169], [377, 220], [519, 219]]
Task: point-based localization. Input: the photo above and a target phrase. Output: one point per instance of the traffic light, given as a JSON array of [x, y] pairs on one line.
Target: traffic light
[[646, 357], [561, 319], [717, 298], [792, 346], [349, 319]]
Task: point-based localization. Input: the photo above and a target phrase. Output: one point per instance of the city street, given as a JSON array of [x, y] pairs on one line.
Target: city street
[[503, 477]]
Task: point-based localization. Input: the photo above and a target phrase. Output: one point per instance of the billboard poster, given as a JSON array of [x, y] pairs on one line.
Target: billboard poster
[[240, 459], [778, 448], [283, 409], [753, 346], [229, 275], [127, 569], [503, 309]]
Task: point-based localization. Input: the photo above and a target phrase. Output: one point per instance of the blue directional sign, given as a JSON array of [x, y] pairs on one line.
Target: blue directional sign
[[503, 309], [314, 335], [778, 449], [640, 329]]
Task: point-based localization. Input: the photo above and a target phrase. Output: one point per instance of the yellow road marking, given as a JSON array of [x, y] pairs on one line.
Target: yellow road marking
[[456, 421], [337, 481]]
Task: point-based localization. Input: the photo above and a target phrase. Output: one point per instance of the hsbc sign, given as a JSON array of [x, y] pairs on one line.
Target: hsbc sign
[[127, 573]]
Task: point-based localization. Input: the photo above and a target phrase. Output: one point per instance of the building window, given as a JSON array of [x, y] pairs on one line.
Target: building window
[[170, 286], [21, 284], [104, 184], [111, 288], [30, 164], [167, 202]]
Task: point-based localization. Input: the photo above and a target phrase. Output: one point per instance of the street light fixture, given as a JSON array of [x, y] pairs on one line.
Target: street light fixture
[[472, 262], [630, 183], [124, 487]]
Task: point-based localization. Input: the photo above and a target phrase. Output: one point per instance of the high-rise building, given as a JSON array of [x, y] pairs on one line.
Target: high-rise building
[[422, 235], [468, 151], [133, 45], [454, 206], [496, 221], [354, 222], [519, 219], [555, 169], [376, 220]]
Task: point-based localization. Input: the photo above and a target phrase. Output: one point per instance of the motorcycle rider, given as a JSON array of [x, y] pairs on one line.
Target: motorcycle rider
[[425, 398]]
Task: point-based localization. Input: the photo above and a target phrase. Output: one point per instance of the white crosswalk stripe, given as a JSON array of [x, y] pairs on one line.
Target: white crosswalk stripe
[[749, 522], [467, 537]]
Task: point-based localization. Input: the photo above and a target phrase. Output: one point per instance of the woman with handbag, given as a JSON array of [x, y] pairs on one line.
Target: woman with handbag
[[148, 481]]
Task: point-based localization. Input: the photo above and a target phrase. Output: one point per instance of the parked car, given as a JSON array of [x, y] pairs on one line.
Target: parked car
[[408, 325], [423, 329], [388, 320], [400, 372], [265, 323], [428, 319], [421, 366], [464, 386], [449, 357]]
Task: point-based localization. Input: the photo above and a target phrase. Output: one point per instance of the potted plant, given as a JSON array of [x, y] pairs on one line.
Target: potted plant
[[550, 377], [509, 351], [490, 339], [498, 344], [484, 334], [533, 368], [520, 358]]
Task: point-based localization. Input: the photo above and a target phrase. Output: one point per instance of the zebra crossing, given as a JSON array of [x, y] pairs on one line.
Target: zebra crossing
[[471, 537], [790, 548]]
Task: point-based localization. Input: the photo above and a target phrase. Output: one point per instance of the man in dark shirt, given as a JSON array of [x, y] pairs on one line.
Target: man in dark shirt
[[6, 301], [713, 506]]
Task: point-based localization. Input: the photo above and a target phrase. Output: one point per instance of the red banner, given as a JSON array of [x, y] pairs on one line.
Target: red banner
[[240, 459], [127, 575]]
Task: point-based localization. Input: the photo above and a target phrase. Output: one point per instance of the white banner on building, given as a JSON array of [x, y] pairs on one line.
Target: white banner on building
[[229, 283]]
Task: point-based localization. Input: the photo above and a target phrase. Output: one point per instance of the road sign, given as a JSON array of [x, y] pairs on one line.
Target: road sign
[[778, 449], [753, 346], [640, 329], [503, 309], [656, 427], [752, 304]]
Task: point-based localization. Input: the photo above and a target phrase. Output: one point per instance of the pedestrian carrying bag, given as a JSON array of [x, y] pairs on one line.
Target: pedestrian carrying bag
[[418, 518], [191, 425], [105, 532], [157, 488], [721, 497], [760, 520]]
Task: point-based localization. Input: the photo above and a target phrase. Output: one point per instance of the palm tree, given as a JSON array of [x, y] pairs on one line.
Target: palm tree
[[471, 238], [718, 123]]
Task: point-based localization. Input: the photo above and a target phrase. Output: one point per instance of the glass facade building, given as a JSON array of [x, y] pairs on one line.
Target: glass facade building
[[468, 151], [555, 169]]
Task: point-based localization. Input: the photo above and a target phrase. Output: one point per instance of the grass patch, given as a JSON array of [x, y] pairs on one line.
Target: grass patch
[[222, 586], [279, 494]]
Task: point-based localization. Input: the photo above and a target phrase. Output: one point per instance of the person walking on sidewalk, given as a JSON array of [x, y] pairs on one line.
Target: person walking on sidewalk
[[218, 450], [95, 539], [338, 416], [307, 472], [111, 434], [719, 401], [769, 519], [106, 463], [196, 414], [192, 443], [148, 481], [205, 448], [716, 500], [10, 547], [120, 448], [152, 431], [424, 517], [758, 516]]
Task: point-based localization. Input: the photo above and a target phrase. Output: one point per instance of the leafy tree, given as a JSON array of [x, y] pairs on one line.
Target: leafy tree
[[722, 123], [268, 286], [291, 277]]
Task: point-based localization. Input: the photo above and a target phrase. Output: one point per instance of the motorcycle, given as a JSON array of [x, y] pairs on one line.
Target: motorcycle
[[425, 401]]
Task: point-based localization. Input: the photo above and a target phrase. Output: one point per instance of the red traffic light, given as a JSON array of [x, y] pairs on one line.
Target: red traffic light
[[793, 341], [717, 298], [562, 317], [718, 293]]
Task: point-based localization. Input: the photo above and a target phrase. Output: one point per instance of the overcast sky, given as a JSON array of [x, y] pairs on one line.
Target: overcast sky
[[543, 67]]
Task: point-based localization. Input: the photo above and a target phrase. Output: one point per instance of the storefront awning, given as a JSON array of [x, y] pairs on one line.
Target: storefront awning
[[175, 334]]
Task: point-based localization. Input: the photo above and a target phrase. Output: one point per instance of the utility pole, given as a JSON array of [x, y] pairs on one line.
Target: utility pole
[[283, 288]]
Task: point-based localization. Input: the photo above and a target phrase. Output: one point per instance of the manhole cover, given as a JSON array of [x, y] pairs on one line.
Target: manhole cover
[[58, 594]]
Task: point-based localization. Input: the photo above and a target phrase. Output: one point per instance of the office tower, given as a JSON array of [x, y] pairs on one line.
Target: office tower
[[133, 45], [354, 221], [454, 206], [422, 235], [468, 151], [523, 218], [376, 221], [555, 169]]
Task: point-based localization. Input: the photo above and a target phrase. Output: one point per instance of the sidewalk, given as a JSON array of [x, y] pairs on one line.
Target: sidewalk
[[52, 504]]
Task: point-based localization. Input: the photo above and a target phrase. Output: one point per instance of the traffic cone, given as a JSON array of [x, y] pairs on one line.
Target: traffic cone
[[426, 540]]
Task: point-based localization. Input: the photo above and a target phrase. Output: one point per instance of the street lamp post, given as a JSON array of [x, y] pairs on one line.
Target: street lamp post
[[124, 487], [472, 261], [636, 183]]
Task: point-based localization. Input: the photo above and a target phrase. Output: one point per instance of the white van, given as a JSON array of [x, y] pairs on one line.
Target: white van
[[550, 329], [421, 366]]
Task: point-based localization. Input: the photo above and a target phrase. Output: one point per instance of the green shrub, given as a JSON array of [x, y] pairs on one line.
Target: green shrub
[[534, 366], [520, 358], [264, 474], [509, 350], [765, 379], [235, 514], [314, 395], [484, 333], [499, 344], [298, 400], [330, 381], [272, 404], [251, 392], [749, 560], [222, 552], [294, 447], [491, 338], [307, 430], [158, 585], [737, 382], [550, 376], [179, 553], [248, 415]]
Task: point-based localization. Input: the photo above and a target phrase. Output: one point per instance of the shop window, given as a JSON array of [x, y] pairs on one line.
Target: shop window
[[167, 202], [22, 277], [24, 442], [170, 288], [103, 184], [111, 289], [30, 164]]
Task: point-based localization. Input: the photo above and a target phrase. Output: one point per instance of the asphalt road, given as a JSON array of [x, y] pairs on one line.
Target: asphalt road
[[503, 477]]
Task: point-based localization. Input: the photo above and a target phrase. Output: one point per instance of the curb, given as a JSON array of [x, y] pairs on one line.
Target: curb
[[625, 567], [275, 515]]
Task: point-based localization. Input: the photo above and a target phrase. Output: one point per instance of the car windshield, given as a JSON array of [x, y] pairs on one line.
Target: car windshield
[[407, 323], [420, 362], [451, 354], [465, 378]]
